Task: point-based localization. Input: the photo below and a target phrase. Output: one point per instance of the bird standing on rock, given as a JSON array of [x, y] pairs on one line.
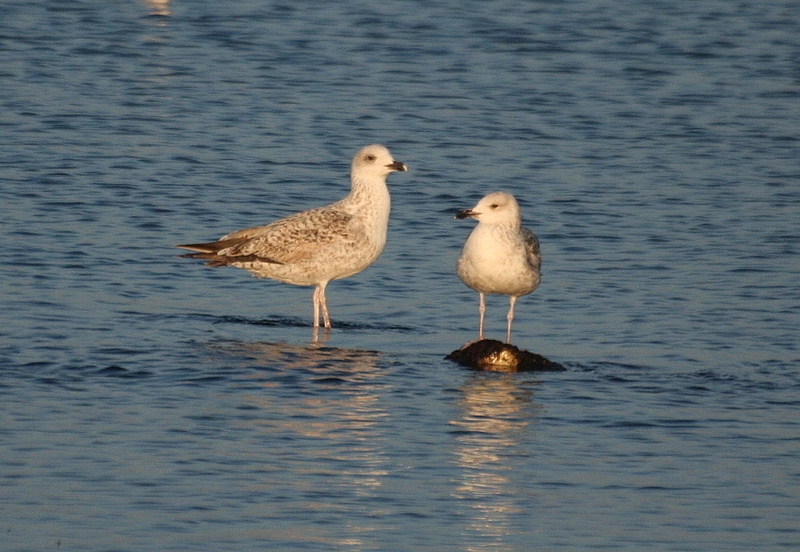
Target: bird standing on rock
[[500, 256], [316, 246]]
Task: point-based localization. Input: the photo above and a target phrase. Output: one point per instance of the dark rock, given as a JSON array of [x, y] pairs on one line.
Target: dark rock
[[495, 356]]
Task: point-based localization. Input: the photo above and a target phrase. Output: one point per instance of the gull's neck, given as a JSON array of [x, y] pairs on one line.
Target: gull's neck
[[364, 192]]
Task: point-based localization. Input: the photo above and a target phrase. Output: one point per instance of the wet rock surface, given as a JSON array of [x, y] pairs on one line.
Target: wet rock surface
[[496, 356]]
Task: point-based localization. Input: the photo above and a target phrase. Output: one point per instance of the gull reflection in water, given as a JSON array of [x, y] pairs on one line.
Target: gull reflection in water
[[319, 414], [495, 414]]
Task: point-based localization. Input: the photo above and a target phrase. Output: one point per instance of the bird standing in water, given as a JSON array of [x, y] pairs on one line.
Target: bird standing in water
[[316, 246]]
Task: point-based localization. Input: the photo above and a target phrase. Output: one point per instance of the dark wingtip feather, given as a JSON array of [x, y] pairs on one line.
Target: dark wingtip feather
[[213, 247], [213, 260]]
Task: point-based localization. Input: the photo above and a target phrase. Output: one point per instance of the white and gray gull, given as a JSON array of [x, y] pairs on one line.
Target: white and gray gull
[[500, 256], [316, 246]]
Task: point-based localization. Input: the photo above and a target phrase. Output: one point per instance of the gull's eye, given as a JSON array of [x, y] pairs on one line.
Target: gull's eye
[[371, 157], [494, 206]]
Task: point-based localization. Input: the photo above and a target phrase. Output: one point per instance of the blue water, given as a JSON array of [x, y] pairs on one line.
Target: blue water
[[151, 403]]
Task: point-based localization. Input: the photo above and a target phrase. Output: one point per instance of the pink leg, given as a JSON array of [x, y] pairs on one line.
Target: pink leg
[[510, 318], [316, 307], [320, 302], [324, 304], [482, 311]]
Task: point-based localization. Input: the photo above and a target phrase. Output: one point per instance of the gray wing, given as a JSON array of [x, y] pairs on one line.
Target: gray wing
[[531, 248]]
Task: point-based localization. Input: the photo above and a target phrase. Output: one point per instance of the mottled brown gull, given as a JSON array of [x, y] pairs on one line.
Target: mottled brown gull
[[500, 255], [316, 246]]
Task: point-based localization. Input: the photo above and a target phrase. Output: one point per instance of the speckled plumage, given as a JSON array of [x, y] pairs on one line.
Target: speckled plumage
[[316, 246], [500, 255]]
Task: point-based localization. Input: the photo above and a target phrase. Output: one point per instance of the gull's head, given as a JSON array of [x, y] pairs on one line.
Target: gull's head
[[495, 208], [374, 161]]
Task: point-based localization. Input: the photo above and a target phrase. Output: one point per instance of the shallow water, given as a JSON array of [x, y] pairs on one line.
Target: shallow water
[[149, 402]]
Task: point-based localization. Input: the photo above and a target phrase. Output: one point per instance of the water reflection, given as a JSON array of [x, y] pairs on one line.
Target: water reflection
[[495, 414], [315, 335], [319, 409], [315, 358], [159, 7]]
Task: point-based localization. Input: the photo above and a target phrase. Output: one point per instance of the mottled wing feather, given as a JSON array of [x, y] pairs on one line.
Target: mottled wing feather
[[531, 248], [290, 240]]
